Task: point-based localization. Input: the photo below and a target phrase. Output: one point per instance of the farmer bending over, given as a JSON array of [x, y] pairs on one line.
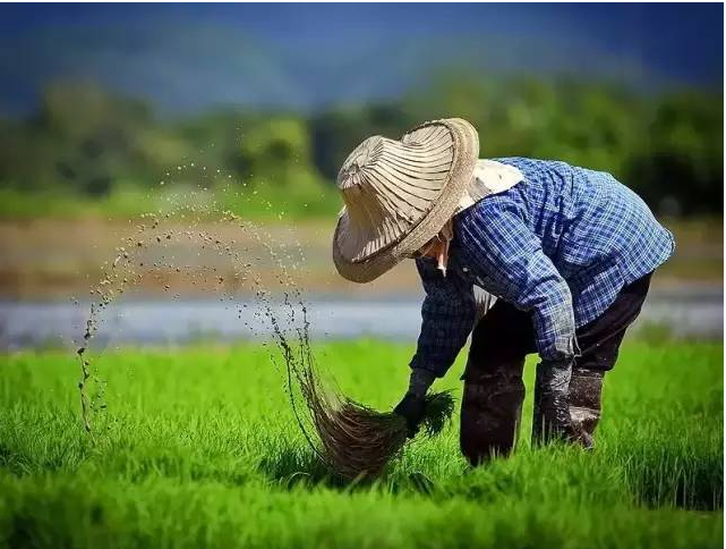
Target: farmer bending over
[[568, 252]]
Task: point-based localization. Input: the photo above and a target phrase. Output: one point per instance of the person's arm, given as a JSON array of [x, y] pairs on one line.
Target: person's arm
[[504, 251], [447, 313], [447, 318]]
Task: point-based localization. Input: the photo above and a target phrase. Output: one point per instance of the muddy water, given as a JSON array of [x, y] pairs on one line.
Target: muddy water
[[312, 401], [147, 251]]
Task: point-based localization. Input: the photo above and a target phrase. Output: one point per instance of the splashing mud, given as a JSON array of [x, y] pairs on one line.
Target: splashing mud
[[351, 439]]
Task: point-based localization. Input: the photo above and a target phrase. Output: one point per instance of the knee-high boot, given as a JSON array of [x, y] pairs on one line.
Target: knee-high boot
[[491, 410]]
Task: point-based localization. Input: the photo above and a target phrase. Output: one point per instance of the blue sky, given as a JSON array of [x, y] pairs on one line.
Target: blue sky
[[195, 56]]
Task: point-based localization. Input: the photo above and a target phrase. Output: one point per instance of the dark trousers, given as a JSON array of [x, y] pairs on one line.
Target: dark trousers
[[493, 386]]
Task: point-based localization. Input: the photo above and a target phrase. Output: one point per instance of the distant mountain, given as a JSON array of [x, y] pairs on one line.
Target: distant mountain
[[182, 67]]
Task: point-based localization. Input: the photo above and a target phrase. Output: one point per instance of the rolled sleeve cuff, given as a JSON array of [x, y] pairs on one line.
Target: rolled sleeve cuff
[[560, 349]]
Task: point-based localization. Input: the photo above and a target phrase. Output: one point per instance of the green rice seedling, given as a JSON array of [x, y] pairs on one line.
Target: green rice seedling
[[198, 447]]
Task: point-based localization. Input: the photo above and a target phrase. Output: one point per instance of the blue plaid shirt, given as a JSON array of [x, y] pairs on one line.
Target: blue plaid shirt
[[560, 244]]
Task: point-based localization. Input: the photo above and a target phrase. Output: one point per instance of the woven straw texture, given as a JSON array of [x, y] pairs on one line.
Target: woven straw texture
[[399, 194]]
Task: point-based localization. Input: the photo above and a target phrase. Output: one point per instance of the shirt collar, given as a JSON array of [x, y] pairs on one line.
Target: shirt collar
[[490, 177]]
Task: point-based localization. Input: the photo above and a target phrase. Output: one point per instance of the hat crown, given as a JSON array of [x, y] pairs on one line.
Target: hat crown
[[363, 158]]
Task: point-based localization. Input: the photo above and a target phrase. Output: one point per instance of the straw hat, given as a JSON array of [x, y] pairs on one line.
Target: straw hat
[[399, 194]]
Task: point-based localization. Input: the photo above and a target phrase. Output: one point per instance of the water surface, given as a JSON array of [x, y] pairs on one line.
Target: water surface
[[686, 312]]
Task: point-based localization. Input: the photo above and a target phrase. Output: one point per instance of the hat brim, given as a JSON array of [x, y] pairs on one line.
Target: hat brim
[[465, 155]]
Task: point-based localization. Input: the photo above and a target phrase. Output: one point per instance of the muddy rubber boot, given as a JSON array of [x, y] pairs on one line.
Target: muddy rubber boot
[[490, 414], [585, 403]]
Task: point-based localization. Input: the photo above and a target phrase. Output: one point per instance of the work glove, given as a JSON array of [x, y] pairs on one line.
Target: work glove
[[551, 404], [412, 408]]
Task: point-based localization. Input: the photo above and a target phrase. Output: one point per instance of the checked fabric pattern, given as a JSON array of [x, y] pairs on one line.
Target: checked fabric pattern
[[560, 244]]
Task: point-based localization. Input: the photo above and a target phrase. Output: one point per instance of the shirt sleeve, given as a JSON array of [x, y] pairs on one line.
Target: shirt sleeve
[[448, 313], [507, 256]]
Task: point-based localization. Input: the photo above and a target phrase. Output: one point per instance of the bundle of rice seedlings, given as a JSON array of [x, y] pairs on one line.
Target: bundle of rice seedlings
[[354, 440], [359, 441]]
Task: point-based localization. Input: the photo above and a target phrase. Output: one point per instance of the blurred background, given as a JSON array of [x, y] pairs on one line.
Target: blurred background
[[108, 112]]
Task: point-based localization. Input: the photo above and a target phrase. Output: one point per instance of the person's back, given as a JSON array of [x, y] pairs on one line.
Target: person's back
[[599, 234]]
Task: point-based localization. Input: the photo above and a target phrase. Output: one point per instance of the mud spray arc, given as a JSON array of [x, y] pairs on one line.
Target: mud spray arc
[[351, 439]]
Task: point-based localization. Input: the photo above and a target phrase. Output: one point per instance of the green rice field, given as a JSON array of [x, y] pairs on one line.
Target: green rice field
[[198, 447]]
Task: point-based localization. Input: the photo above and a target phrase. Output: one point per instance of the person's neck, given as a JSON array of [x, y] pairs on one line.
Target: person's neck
[[440, 250]]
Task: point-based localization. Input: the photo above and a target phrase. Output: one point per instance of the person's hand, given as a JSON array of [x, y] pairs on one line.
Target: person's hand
[[412, 408], [552, 419]]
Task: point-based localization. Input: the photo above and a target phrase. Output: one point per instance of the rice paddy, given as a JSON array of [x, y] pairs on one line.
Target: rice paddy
[[198, 447]]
